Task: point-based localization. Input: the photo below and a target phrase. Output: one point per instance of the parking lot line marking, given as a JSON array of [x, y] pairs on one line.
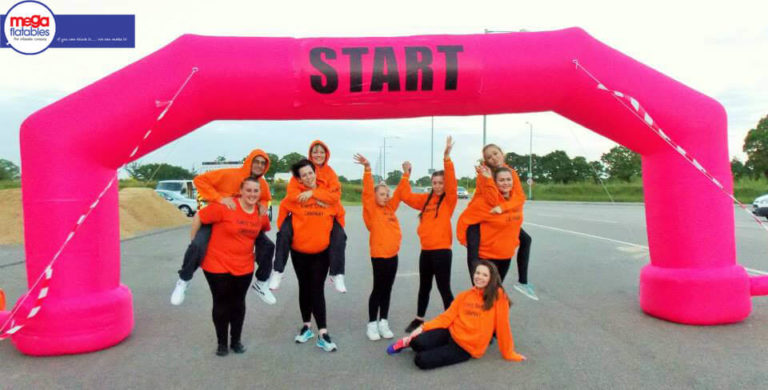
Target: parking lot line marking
[[750, 270], [576, 217], [587, 235]]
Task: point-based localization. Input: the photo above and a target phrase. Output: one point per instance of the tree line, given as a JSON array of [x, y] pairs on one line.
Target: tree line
[[618, 164]]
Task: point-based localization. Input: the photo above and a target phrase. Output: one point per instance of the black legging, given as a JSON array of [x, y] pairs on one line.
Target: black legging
[[228, 293], [195, 253], [384, 270], [435, 263], [311, 270], [502, 265], [436, 348], [336, 247], [523, 252]]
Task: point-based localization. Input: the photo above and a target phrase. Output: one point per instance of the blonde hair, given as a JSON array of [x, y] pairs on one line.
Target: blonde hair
[[381, 184]]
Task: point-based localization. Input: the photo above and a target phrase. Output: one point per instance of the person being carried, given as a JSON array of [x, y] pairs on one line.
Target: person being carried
[[493, 157], [379, 216], [499, 229], [220, 186], [327, 191], [465, 329], [435, 233]]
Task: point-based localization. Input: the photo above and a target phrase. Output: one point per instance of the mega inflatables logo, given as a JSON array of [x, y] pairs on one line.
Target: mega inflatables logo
[[29, 27]]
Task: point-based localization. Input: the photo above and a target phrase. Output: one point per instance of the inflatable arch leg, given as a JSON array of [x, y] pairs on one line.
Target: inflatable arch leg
[[71, 148]]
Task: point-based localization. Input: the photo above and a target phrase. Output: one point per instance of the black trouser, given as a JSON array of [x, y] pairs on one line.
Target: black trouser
[[435, 263], [523, 252], [384, 270], [265, 251], [436, 348], [336, 247], [502, 265], [311, 270], [228, 293], [195, 253]]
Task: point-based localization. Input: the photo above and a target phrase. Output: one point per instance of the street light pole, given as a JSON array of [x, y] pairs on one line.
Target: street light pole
[[384, 158], [530, 162], [432, 148]]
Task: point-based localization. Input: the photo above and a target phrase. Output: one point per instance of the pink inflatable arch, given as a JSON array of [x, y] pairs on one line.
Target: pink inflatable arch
[[71, 148]]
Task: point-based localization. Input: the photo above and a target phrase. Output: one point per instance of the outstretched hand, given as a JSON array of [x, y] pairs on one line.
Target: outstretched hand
[[448, 146], [407, 167], [360, 159], [483, 169]]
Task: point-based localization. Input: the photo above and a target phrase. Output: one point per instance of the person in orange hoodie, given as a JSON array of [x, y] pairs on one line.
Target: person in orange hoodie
[[328, 191], [493, 157], [380, 219], [435, 233], [465, 329], [228, 262], [311, 222], [499, 229], [221, 186]]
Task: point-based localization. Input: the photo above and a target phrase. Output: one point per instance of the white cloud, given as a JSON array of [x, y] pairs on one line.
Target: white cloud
[[717, 49]]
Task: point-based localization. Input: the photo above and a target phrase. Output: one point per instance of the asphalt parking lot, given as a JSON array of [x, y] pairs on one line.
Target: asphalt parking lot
[[586, 331]]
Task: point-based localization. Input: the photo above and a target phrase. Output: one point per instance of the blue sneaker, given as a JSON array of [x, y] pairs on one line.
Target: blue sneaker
[[324, 342], [305, 334], [527, 290]]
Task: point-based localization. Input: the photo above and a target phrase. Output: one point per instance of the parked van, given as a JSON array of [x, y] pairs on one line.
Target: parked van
[[183, 187]]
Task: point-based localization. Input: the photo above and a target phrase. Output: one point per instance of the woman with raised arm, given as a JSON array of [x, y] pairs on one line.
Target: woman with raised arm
[[379, 216], [493, 157], [499, 228], [435, 234]]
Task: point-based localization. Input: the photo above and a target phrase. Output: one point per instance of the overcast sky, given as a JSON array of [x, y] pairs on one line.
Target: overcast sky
[[720, 50]]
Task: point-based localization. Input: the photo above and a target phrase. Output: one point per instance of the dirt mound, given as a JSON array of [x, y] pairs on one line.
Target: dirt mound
[[10, 214], [141, 210]]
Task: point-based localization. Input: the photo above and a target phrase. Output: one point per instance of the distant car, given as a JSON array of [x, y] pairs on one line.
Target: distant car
[[462, 192], [760, 206], [186, 205], [182, 187]]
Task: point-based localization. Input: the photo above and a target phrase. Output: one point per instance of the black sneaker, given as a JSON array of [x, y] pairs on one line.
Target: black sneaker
[[413, 325], [238, 347], [222, 350]]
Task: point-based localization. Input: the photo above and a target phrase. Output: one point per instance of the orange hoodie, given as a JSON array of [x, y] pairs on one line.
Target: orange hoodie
[[311, 223], [381, 221], [231, 247], [499, 233], [221, 183], [517, 192], [435, 226], [328, 188], [471, 327]]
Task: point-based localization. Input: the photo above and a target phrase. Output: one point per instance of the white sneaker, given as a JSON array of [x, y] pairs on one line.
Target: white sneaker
[[177, 296], [275, 279], [262, 290], [373, 331], [338, 283], [384, 329]]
